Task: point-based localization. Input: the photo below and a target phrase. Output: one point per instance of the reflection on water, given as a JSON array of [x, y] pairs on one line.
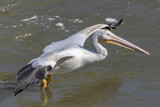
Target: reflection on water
[[46, 96]]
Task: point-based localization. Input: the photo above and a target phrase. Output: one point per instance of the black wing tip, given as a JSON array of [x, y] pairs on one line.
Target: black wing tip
[[119, 23], [17, 92]]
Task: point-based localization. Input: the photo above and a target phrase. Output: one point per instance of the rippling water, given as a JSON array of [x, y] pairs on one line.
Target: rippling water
[[123, 79]]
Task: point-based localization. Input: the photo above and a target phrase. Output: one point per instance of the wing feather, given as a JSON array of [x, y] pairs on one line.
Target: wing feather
[[29, 76]]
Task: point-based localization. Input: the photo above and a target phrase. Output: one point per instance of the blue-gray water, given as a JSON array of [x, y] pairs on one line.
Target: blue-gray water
[[123, 79]]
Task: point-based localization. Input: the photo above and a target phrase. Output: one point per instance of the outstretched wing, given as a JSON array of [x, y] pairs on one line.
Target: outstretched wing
[[76, 39], [29, 76]]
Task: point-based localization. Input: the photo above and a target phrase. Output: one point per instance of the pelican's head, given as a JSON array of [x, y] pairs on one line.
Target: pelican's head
[[108, 37]]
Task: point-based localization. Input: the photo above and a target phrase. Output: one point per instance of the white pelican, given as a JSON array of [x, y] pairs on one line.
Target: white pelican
[[69, 54]]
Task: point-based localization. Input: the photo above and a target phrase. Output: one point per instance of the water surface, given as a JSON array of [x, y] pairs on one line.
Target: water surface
[[123, 79]]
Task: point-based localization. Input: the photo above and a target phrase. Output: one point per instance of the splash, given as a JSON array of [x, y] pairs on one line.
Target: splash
[[112, 20], [76, 21], [28, 19], [61, 25], [22, 36]]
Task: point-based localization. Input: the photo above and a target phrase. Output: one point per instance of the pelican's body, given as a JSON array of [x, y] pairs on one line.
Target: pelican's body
[[68, 55]]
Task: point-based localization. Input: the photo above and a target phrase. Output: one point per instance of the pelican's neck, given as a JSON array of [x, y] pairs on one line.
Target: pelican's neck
[[102, 52]]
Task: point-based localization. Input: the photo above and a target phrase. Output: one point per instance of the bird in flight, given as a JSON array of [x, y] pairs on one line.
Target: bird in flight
[[69, 54]]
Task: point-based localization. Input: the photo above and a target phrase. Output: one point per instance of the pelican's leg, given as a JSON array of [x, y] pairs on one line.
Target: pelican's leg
[[48, 79], [45, 82]]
